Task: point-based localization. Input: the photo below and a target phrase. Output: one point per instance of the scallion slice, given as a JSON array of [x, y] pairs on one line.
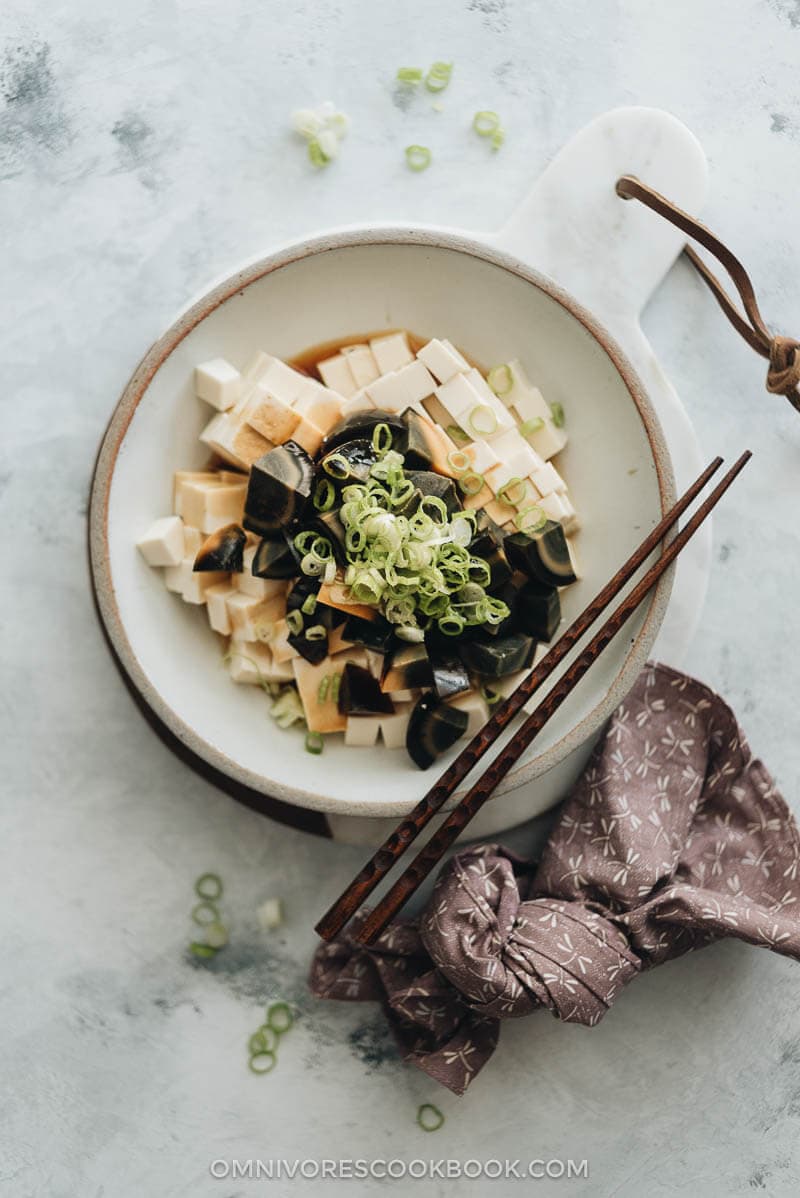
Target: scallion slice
[[429, 1117], [458, 461], [381, 439], [208, 886], [471, 483], [557, 414], [279, 1017], [491, 698], [528, 427], [336, 682], [198, 949], [315, 743], [513, 492], [264, 1040], [263, 1061], [205, 913], [337, 465], [418, 158], [438, 76], [482, 420], [498, 137], [530, 519], [409, 75], [316, 154], [485, 123], [324, 495], [500, 379], [317, 632], [294, 622], [457, 434], [216, 935], [309, 605], [323, 688]]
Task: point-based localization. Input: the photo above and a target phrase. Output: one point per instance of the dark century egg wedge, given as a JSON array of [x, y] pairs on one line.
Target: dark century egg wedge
[[537, 610], [377, 634], [360, 426], [223, 550], [409, 669], [430, 483], [449, 673], [360, 693], [275, 559], [544, 554], [349, 462], [433, 728], [278, 490], [498, 656]]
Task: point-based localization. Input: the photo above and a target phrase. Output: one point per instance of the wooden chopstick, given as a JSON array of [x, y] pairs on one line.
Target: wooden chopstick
[[431, 854], [409, 828]]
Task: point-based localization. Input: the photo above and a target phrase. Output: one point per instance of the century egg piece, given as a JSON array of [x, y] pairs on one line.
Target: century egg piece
[[433, 728], [275, 559], [360, 426], [279, 487], [538, 610], [498, 656], [223, 550], [543, 553], [360, 694]]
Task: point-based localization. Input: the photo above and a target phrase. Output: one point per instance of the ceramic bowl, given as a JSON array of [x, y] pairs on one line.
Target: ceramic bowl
[[435, 284]]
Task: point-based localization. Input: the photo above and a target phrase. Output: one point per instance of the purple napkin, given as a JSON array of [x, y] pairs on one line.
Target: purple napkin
[[673, 837]]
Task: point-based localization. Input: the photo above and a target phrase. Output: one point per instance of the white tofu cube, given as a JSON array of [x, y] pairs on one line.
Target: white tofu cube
[[258, 588], [308, 436], [442, 360], [282, 651], [270, 914], [360, 402], [547, 480], [514, 452], [210, 506], [234, 440], [481, 456], [397, 391], [475, 377], [391, 352], [192, 540], [394, 727], [336, 374], [458, 396], [362, 731], [282, 381], [528, 402], [559, 507], [216, 607], [270, 415], [162, 544], [218, 383], [254, 619], [321, 406], [547, 440], [361, 361], [476, 709], [192, 586]]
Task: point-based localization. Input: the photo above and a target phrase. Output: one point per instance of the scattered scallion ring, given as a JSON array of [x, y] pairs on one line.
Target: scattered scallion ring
[[216, 935], [482, 420], [317, 632], [294, 622], [472, 483], [205, 913], [324, 495], [264, 1040], [458, 461], [315, 743], [530, 519], [208, 886], [279, 1017], [309, 605], [337, 465], [323, 688], [198, 949], [418, 158], [528, 427], [438, 76], [557, 414], [500, 379], [491, 698], [498, 137], [514, 486], [316, 154], [485, 123], [336, 683], [381, 439], [263, 1061], [409, 75], [429, 1117], [457, 434]]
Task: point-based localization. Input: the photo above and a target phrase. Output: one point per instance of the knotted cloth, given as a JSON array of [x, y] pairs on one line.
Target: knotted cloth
[[674, 836]]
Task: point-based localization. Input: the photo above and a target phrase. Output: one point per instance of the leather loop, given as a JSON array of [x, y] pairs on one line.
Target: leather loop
[[783, 376]]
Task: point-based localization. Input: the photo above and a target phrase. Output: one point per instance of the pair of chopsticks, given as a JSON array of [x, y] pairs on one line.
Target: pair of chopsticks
[[409, 828]]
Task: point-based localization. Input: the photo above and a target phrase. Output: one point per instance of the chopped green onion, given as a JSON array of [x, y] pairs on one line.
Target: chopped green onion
[[498, 137], [485, 123], [531, 426], [263, 1062], [491, 698], [472, 483], [482, 420], [438, 76], [414, 636], [530, 519], [287, 708], [500, 379], [309, 605], [205, 913], [208, 886], [216, 935], [294, 622], [451, 624], [429, 1117], [316, 154], [198, 949], [323, 688], [337, 465], [557, 414], [329, 573], [409, 75], [317, 632], [514, 486], [314, 743], [459, 461], [264, 1040], [381, 439], [457, 434], [279, 1017], [324, 495], [418, 158], [336, 683]]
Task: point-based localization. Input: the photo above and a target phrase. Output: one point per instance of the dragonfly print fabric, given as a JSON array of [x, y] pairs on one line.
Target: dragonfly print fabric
[[673, 837]]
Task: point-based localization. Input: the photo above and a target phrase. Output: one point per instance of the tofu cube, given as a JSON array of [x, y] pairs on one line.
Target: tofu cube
[[476, 709], [282, 381], [270, 914], [391, 352], [254, 619], [192, 586], [258, 588], [192, 540], [395, 392], [253, 664], [362, 731], [528, 402], [442, 360], [218, 383], [458, 396], [480, 500], [209, 506], [360, 402], [547, 440], [481, 456], [270, 415], [323, 715], [559, 507], [308, 436], [547, 480], [361, 361], [394, 727], [234, 440], [502, 513], [282, 651], [162, 544], [336, 374], [216, 607], [320, 406]]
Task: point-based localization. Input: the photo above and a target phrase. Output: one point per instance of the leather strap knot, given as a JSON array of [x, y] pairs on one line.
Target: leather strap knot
[[783, 376]]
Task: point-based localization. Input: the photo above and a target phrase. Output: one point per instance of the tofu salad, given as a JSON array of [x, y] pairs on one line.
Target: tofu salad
[[381, 537]]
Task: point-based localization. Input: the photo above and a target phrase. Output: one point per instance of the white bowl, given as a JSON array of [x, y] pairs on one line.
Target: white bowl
[[435, 284]]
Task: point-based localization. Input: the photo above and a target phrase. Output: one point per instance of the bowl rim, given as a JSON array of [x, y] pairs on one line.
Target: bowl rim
[[137, 385]]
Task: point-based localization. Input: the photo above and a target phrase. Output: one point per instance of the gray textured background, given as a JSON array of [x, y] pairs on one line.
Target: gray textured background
[[143, 151]]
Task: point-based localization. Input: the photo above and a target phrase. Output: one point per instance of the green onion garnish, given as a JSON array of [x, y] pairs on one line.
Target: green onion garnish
[[459, 461], [418, 158], [337, 465], [279, 1017], [531, 426], [498, 137], [323, 688], [263, 1062], [309, 605], [491, 698], [324, 495], [409, 75], [500, 379], [294, 622], [205, 913], [315, 743], [438, 76], [471, 483], [429, 1117], [316, 154], [317, 632], [336, 682], [530, 519], [216, 935], [457, 434], [381, 439], [557, 414], [208, 886], [513, 492], [264, 1040], [482, 420], [287, 708], [198, 949], [485, 123]]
